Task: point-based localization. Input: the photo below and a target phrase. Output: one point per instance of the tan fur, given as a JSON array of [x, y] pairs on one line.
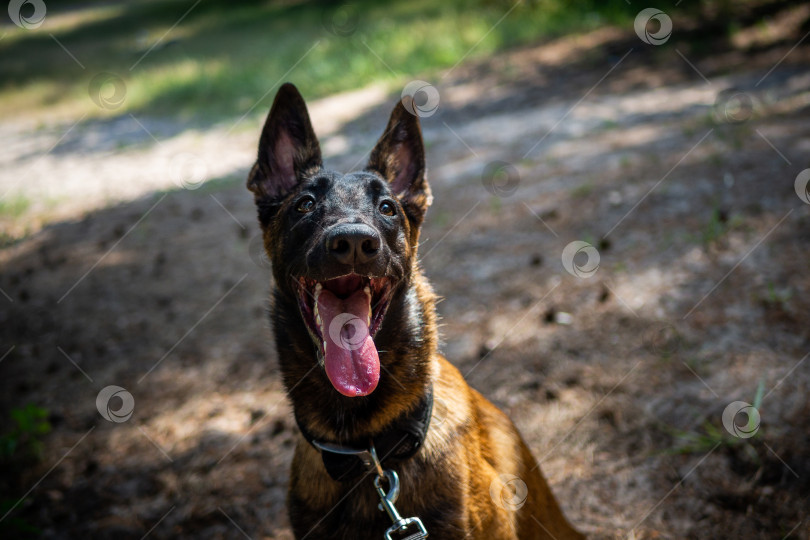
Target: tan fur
[[469, 444], [456, 481]]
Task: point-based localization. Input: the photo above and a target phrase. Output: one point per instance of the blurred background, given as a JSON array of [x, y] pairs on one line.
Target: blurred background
[[619, 234]]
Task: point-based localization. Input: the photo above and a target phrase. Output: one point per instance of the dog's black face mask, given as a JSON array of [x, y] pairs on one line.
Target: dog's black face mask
[[342, 245]]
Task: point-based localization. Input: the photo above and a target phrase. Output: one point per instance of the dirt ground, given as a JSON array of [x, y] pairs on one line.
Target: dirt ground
[[130, 271]]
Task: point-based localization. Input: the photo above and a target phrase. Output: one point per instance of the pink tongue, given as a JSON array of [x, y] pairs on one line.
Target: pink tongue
[[350, 357]]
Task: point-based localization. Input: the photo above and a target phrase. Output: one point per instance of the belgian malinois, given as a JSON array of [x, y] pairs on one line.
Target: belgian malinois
[[394, 442]]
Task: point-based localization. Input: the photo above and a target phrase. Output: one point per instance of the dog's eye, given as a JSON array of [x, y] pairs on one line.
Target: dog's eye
[[307, 204], [386, 208]]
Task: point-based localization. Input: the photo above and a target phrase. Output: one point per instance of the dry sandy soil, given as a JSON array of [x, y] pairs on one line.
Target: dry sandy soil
[[129, 271]]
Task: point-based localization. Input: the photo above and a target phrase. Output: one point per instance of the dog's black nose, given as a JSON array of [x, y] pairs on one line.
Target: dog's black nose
[[353, 243]]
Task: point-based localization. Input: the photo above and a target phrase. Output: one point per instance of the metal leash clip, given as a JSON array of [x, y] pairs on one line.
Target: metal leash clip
[[401, 525], [372, 463]]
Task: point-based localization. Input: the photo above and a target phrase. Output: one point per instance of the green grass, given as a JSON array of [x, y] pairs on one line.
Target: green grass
[[224, 56], [23, 439], [713, 433], [21, 445], [714, 229], [14, 206], [777, 297], [718, 225], [582, 190], [608, 125], [495, 205]]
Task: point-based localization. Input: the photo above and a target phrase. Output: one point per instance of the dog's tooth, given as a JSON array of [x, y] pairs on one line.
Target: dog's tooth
[[318, 288], [368, 292]]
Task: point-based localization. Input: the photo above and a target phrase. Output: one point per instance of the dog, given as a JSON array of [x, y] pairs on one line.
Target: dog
[[393, 440]]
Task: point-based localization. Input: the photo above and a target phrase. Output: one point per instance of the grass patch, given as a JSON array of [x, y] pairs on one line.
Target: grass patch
[[715, 228], [711, 435], [224, 56], [21, 446], [14, 206], [23, 440], [718, 225], [582, 190], [777, 297]]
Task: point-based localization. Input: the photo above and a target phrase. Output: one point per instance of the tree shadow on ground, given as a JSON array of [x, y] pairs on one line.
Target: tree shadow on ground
[[165, 297]]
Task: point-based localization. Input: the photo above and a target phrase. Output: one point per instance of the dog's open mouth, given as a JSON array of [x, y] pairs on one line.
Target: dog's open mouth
[[343, 315]]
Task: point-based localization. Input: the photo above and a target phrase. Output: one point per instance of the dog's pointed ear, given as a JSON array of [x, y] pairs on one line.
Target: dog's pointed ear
[[288, 147], [399, 157]]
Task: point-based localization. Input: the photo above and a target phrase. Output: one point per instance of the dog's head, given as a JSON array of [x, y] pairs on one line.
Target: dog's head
[[343, 246]]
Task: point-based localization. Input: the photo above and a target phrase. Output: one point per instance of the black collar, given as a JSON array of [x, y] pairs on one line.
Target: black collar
[[396, 444]]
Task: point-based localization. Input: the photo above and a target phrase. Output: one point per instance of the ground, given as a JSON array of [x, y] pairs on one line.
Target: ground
[[130, 270]]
